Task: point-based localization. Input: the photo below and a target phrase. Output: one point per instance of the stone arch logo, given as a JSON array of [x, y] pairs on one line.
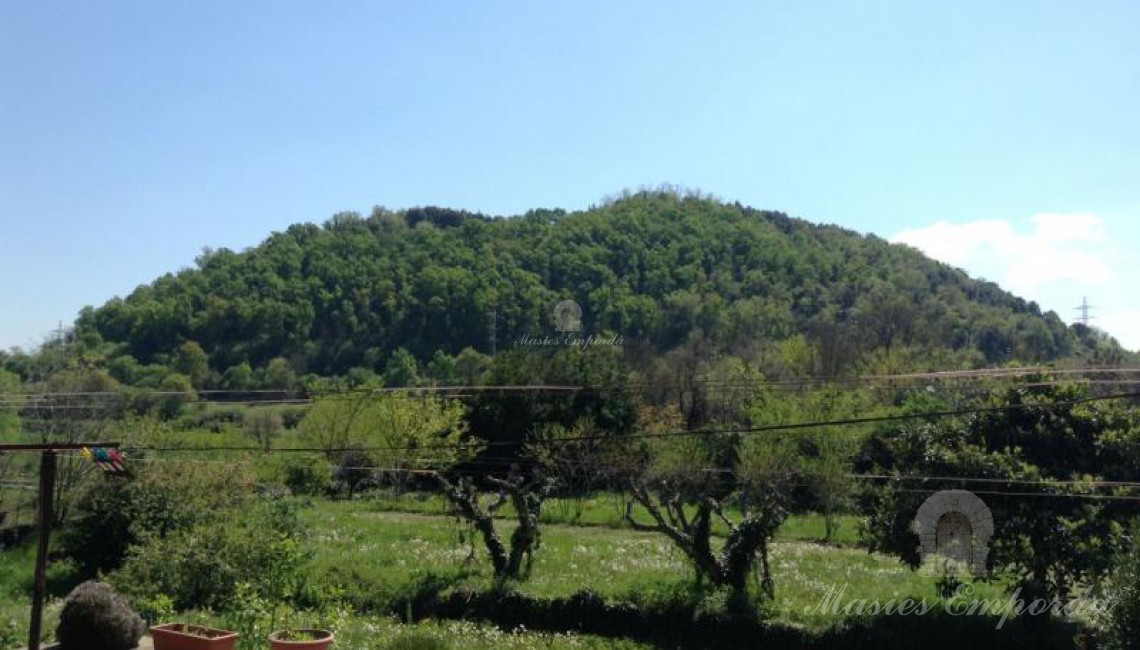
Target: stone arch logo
[[954, 528], [568, 316]]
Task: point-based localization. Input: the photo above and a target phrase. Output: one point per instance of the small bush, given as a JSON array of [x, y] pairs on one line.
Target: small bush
[[354, 472], [114, 513], [263, 425], [1123, 621], [309, 476], [200, 567], [216, 418], [291, 416], [94, 617]]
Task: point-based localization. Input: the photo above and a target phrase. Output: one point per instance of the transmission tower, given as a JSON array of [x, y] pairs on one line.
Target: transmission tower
[[1085, 308]]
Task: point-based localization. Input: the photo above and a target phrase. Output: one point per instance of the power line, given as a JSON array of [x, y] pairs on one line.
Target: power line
[[46, 406], [421, 471], [504, 460], [680, 433], [47, 400], [1095, 497]]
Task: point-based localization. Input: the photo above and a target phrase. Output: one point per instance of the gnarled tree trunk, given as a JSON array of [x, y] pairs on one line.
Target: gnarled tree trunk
[[747, 539]]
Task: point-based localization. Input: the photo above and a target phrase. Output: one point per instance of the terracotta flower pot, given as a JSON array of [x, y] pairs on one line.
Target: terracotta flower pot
[[300, 639], [180, 636]]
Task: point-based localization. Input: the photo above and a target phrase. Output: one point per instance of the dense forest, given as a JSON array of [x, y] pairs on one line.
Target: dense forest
[[406, 295]]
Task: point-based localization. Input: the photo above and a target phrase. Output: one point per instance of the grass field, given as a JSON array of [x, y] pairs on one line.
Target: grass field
[[385, 556], [607, 510], [398, 553], [382, 557]]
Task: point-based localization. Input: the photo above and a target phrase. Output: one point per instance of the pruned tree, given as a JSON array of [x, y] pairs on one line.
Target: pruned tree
[[684, 488], [580, 459], [525, 494]]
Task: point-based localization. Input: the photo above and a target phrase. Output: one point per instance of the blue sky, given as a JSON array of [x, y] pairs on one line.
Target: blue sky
[[1001, 137]]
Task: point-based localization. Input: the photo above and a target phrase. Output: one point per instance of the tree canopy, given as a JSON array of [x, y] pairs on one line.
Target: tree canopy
[[401, 294]]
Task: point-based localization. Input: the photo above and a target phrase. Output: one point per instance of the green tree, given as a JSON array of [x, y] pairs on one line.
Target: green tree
[[1040, 452], [401, 369], [442, 370], [239, 377], [658, 267], [820, 458], [10, 401], [1122, 622], [279, 375], [190, 359], [471, 367], [177, 390], [114, 513], [401, 433]]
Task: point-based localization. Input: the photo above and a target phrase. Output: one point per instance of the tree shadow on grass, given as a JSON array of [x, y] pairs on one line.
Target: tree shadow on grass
[[675, 625], [941, 630]]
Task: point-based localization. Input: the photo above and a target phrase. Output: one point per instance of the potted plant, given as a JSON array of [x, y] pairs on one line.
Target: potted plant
[[182, 636], [300, 638]]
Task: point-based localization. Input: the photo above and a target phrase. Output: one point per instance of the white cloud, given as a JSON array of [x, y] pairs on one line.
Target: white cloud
[[1069, 227], [1054, 259]]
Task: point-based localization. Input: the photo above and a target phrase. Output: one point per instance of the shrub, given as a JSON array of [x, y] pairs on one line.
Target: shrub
[[1123, 621], [216, 418], [306, 475], [200, 567], [354, 471], [114, 513], [94, 617], [291, 416], [263, 425]]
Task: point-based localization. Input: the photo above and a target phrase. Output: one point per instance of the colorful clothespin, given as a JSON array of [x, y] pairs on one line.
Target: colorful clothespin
[[108, 460]]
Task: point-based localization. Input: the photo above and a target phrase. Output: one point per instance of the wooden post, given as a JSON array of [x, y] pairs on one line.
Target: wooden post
[[43, 523], [44, 519]]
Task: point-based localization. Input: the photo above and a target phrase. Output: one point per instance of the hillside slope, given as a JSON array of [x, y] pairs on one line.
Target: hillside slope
[[655, 267]]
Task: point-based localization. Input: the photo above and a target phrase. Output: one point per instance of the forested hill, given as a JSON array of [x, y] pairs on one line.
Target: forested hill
[[657, 268]]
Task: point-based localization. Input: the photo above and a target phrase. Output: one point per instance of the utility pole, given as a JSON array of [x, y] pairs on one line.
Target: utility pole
[[1084, 308], [44, 520], [494, 330]]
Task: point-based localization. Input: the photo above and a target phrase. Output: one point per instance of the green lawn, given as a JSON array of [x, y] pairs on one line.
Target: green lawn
[[384, 560], [398, 555]]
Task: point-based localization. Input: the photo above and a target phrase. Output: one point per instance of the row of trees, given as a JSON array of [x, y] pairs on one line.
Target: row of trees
[[1049, 455]]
